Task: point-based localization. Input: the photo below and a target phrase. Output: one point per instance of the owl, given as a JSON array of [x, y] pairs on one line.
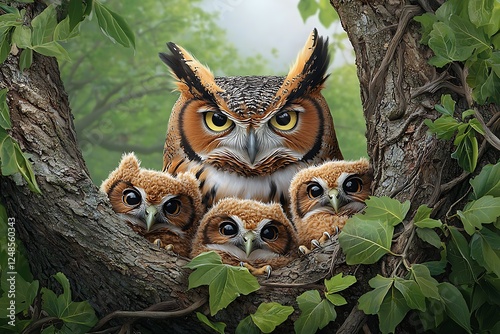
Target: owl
[[255, 234], [246, 136], [323, 197], [164, 209]]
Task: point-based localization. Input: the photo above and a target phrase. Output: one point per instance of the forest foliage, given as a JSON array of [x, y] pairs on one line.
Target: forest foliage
[[458, 291]]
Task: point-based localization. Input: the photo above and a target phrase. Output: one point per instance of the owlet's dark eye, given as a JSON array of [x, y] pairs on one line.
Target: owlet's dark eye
[[228, 228], [172, 207], [353, 185], [131, 197], [285, 120], [314, 190], [269, 232], [217, 121]]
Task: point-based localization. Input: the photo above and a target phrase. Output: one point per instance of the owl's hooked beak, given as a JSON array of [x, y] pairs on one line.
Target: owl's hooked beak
[[150, 217], [252, 148], [335, 201], [248, 239]]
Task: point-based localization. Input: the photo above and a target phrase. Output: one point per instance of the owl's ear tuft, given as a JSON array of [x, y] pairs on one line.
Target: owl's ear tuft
[[192, 77], [130, 162], [308, 73]]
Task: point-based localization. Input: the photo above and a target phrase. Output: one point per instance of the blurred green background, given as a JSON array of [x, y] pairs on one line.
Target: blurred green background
[[121, 98]]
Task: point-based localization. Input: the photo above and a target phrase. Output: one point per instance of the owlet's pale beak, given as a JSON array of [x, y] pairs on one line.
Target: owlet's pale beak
[[150, 217], [248, 239], [335, 201]]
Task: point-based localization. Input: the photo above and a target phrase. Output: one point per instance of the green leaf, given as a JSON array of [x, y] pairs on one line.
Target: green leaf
[[442, 41], [114, 26], [386, 209], [247, 326], [338, 283], [471, 38], [467, 150], [13, 19], [427, 284], [447, 106], [444, 127], [316, 313], [426, 21], [392, 311], [43, 26], [225, 283], [487, 90], [4, 110], [370, 302], [63, 31], [5, 43], [455, 305], [25, 59], [422, 218], [433, 315], [326, 13], [21, 37], [75, 13], [464, 270], [365, 241], [411, 292], [270, 315], [307, 8], [335, 284], [336, 299], [219, 327], [438, 267], [480, 11], [484, 210], [429, 236], [52, 49], [485, 249]]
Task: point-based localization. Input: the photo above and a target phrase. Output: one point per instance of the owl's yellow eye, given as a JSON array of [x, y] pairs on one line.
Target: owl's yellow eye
[[217, 121], [353, 185], [285, 120], [131, 197]]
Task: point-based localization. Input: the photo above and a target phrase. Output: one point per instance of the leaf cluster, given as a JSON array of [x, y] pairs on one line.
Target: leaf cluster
[[467, 31], [465, 132], [45, 33], [226, 283], [65, 315]]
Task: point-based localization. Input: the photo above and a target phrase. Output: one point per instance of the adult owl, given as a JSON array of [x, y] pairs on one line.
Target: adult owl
[[323, 197], [256, 234], [164, 209], [246, 136]]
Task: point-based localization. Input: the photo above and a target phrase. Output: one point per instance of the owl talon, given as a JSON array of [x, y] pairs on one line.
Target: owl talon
[[158, 243], [316, 243], [324, 238], [304, 250], [169, 247]]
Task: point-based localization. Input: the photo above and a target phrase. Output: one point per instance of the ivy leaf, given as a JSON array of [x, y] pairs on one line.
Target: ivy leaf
[[370, 302], [365, 241], [338, 283], [75, 13], [326, 15], [480, 11], [269, 315], [485, 249], [487, 90], [5, 44], [426, 21], [411, 293], [113, 25], [21, 37], [427, 284], [471, 38], [429, 236], [25, 59], [43, 26], [63, 31], [336, 299], [464, 270], [467, 150], [225, 283], [487, 182], [484, 210], [316, 313], [444, 127], [52, 49], [4, 110], [455, 305], [438, 267], [307, 8], [386, 209], [392, 311], [447, 106], [442, 41], [247, 326], [219, 327], [422, 218]]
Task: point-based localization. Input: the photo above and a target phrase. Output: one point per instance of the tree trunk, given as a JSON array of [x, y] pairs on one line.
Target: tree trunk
[[71, 227]]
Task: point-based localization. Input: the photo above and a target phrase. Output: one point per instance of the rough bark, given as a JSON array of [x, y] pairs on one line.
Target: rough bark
[[71, 228]]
